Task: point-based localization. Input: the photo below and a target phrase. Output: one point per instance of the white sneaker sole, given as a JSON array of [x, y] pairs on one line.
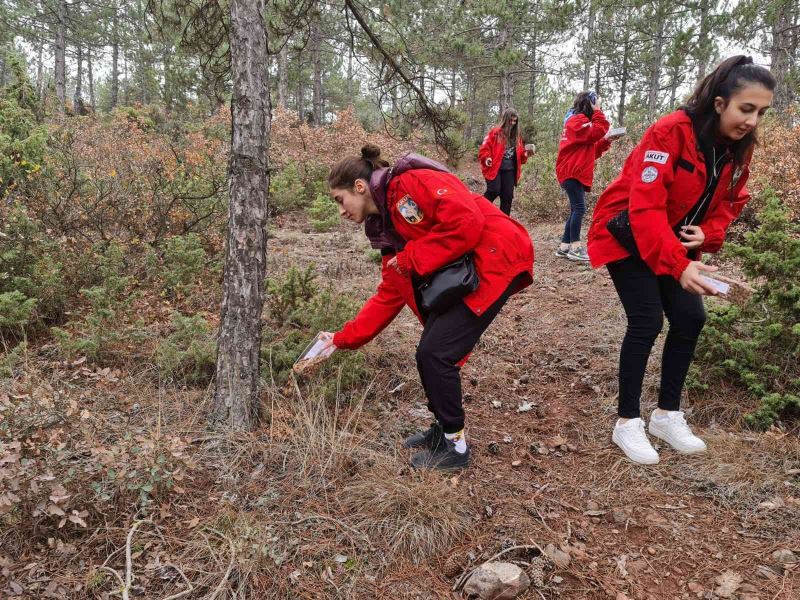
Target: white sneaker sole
[[638, 459], [575, 259], [664, 437]]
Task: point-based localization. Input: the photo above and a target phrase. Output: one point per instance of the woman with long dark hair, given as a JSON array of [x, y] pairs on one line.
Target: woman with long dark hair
[[677, 194], [502, 155], [422, 218], [583, 141]]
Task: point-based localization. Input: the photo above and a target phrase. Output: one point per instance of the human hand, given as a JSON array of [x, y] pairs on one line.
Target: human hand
[[692, 279], [693, 236]]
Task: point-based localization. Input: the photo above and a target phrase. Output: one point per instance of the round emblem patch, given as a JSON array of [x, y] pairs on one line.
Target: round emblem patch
[[649, 175], [409, 210]]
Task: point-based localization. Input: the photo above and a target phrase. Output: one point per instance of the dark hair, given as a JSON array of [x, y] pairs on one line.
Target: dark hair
[[343, 175], [731, 75], [509, 132], [583, 104]]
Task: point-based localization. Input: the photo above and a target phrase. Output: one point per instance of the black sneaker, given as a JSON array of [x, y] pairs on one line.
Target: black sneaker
[[562, 253], [442, 456], [424, 439]]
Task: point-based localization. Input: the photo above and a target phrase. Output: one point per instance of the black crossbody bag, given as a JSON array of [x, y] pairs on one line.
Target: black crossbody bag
[[448, 285]]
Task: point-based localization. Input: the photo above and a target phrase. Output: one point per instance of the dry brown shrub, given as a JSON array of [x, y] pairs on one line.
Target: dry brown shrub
[[415, 516], [776, 163]]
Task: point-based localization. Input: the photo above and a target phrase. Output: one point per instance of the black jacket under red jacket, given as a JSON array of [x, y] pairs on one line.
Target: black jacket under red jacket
[[582, 142], [662, 180], [494, 146], [441, 220]]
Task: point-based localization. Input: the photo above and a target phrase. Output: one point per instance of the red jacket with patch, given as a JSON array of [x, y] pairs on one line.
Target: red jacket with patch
[[582, 142], [494, 147], [663, 178], [441, 220]]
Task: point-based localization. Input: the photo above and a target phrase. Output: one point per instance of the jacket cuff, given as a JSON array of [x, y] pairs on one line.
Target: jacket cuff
[[403, 263], [680, 267], [340, 342]]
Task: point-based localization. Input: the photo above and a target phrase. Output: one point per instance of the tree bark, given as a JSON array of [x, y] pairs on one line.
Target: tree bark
[[77, 99], [90, 74], [655, 66], [316, 59], [283, 75], [115, 60], [532, 89], [780, 56], [60, 55], [704, 39], [625, 75], [39, 67], [588, 50], [453, 88], [236, 396]]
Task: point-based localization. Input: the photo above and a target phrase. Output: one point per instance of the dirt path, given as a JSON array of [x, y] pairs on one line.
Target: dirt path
[[551, 475]]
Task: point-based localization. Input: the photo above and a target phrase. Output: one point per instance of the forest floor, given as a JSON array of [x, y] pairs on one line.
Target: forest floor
[[321, 504]]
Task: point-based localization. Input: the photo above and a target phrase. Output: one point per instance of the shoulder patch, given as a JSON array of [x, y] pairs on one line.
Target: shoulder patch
[[410, 210], [650, 174], [656, 156]]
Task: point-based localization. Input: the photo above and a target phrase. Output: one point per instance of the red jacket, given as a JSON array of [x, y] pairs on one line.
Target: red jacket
[[582, 142], [441, 221], [493, 147], [661, 181]]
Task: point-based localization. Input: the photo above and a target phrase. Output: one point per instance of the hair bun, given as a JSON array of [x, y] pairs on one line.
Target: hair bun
[[370, 152]]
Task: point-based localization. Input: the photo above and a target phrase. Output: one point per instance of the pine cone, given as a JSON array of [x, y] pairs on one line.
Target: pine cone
[[536, 571], [453, 567]]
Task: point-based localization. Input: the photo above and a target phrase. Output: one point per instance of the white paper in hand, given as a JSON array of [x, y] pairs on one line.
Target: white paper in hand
[[617, 131], [317, 351], [720, 286]]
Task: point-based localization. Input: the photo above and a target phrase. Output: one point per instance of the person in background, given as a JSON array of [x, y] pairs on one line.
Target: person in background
[[582, 142], [677, 194], [422, 217], [502, 155]]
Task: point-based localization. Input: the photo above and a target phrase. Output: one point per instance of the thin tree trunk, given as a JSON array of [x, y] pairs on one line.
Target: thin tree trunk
[[301, 93], [77, 99], [704, 42], [588, 49], [283, 75], [39, 67], [350, 81], [236, 395], [532, 89], [625, 76], [316, 59], [60, 55], [780, 57], [168, 99], [655, 65], [471, 109], [125, 87], [90, 74], [115, 60], [453, 88]]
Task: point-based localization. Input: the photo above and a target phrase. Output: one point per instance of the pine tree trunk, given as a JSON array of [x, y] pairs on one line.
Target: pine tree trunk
[[168, 100], [125, 86], [236, 396], [625, 75], [453, 88], [301, 96], [704, 39], [90, 74], [39, 67], [655, 66], [588, 50], [532, 89], [77, 99], [283, 75], [780, 57], [60, 55], [115, 61], [316, 59], [350, 87]]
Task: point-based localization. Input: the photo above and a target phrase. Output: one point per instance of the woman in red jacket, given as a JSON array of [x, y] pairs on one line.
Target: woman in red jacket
[[582, 142], [502, 155], [677, 194], [422, 218]]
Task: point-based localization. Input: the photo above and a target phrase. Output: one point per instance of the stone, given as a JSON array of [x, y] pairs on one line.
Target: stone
[[560, 558], [784, 557], [498, 581]]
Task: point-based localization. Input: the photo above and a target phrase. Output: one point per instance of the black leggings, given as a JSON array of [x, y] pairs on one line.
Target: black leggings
[[446, 339], [503, 186], [647, 298]]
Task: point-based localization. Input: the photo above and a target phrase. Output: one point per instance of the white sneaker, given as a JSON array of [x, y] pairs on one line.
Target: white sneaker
[[633, 440], [674, 430]]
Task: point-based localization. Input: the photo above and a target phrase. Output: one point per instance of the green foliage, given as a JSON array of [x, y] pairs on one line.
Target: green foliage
[[15, 311], [323, 213], [11, 358], [286, 190], [303, 311], [757, 344], [184, 258], [188, 354], [22, 138]]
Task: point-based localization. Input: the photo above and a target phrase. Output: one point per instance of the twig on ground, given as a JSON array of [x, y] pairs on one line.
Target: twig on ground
[[338, 522], [224, 580]]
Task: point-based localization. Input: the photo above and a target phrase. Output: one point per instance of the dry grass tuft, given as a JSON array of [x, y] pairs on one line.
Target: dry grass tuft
[[416, 515]]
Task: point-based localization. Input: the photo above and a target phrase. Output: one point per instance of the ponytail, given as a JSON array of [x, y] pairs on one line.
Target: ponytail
[[344, 174], [731, 75]]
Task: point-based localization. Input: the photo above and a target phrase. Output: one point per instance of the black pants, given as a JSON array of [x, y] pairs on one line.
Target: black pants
[[647, 298], [503, 186], [446, 339], [577, 208]]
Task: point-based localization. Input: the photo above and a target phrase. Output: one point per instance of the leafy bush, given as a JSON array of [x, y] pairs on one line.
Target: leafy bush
[[184, 258], [286, 190], [15, 311], [757, 344], [303, 311], [323, 213], [189, 353]]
